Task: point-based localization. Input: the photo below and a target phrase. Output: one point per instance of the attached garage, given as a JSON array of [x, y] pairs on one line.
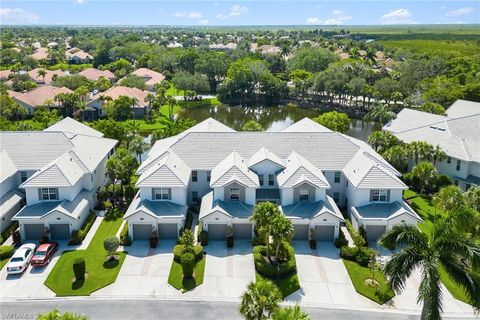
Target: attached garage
[[33, 231], [142, 231], [374, 232], [301, 231], [217, 231], [324, 233], [60, 231], [242, 230], [167, 231]]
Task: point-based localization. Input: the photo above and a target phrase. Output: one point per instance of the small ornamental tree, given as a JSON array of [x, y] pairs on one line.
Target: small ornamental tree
[[187, 238], [111, 245], [79, 268], [188, 263]]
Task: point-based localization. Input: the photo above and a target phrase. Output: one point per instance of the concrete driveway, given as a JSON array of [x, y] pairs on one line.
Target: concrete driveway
[[323, 277], [227, 271], [144, 271]]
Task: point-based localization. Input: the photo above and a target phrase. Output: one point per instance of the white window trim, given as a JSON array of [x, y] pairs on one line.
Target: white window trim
[[52, 194], [302, 193], [234, 192], [161, 192]]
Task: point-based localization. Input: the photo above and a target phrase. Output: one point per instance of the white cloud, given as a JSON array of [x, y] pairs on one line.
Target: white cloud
[[80, 1], [238, 10], [203, 22], [318, 6], [17, 15], [313, 21], [460, 12], [221, 16], [399, 16], [188, 14]]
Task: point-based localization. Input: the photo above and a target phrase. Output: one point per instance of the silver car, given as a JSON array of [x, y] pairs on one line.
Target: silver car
[[21, 259]]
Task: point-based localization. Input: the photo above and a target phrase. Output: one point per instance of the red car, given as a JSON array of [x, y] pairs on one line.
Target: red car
[[43, 254]]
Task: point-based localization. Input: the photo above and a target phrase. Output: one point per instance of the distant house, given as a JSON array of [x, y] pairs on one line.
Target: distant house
[[457, 133], [56, 173], [149, 76], [76, 55], [38, 97], [49, 76], [223, 47], [141, 108], [268, 49], [93, 74], [4, 74], [40, 54]]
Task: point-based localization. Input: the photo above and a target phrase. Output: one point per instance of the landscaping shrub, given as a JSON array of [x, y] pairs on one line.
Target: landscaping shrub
[[16, 237], [356, 237], [6, 252], [188, 263], [230, 242], [204, 238], [189, 220], [79, 268], [153, 241], [363, 233], [199, 231], [266, 269], [341, 241], [198, 252], [125, 239], [111, 245], [180, 249], [312, 241], [361, 255], [79, 235], [9, 231]]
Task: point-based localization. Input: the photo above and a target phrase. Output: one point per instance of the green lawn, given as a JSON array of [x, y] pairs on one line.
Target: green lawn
[[287, 286], [3, 262], [175, 278], [99, 273], [359, 274]]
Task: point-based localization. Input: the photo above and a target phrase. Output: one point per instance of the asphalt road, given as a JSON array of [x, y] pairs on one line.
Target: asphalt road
[[167, 309]]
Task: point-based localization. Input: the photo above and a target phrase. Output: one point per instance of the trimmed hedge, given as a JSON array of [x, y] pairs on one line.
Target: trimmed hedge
[[125, 239], [188, 220], [79, 268], [361, 255], [179, 250], [9, 231], [263, 266], [341, 241], [79, 235], [6, 252], [356, 237]]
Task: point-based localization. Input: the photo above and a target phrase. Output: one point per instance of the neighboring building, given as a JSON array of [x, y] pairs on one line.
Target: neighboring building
[[5, 74], [308, 170], [40, 54], [93, 74], [41, 96], [140, 108], [457, 133], [76, 55], [268, 49], [56, 172], [50, 76], [149, 76], [223, 47]]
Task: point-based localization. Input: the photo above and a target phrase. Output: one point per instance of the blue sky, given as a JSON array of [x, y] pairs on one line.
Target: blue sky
[[127, 12]]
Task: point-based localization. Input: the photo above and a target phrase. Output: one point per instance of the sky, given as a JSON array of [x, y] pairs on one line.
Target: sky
[[214, 13]]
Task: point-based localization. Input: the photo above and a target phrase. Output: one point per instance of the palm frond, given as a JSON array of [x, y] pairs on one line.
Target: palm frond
[[403, 235], [430, 290], [401, 265]]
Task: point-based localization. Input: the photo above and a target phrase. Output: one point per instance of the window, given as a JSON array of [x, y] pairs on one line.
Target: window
[[194, 176], [304, 193], [459, 163], [194, 196], [271, 180], [379, 195], [336, 197], [48, 193], [161, 193], [209, 174], [23, 176], [455, 182], [260, 179], [234, 194], [449, 160], [337, 177]]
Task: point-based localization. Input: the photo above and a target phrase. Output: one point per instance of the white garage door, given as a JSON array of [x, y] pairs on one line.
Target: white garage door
[[301, 231], [242, 231], [167, 231], [217, 231], [324, 233], [142, 231], [374, 232]]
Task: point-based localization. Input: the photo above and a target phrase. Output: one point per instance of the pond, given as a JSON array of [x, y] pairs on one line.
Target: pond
[[275, 118]]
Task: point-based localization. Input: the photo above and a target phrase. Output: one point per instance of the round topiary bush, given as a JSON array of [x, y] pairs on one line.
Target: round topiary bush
[[198, 252], [188, 263], [79, 268], [266, 269]]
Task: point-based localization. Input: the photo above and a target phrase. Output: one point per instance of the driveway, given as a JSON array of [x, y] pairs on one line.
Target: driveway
[[144, 271], [29, 284], [323, 277], [227, 271]]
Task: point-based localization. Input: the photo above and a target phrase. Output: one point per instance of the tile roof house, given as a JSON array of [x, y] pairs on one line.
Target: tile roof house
[[76, 55], [38, 97], [141, 107], [457, 133], [56, 172], [307, 170], [49, 76], [150, 77], [40, 54], [93, 74]]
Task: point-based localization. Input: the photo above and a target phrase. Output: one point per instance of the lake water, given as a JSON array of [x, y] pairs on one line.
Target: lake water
[[275, 118]]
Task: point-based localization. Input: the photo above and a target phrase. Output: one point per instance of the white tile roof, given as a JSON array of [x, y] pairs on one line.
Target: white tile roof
[[384, 211], [209, 125], [71, 126], [10, 200], [233, 168], [306, 125], [299, 170], [7, 167], [262, 155], [170, 171], [462, 108], [157, 209]]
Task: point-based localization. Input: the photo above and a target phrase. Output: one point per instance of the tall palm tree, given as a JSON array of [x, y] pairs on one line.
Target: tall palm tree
[[396, 156], [381, 113], [419, 151], [370, 57], [42, 73], [438, 154], [260, 300], [446, 248], [448, 199], [290, 313], [425, 173]]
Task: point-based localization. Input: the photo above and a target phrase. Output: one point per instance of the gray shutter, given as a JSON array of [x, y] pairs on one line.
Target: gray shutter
[[388, 195], [39, 194], [371, 195], [169, 194], [153, 193]]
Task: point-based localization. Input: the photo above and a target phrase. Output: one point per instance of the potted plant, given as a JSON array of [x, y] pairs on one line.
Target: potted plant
[[154, 239], [312, 241], [230, 239]]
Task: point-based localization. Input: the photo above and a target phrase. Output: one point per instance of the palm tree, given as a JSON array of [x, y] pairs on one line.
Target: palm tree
[[419, 150], [438, 154], [448, 199], [42, 73], [260, 300], [396, 156], [381, 113], [370, 57], [376, 139], [445, 248], [290, 313], [280, 230], [425, 173]]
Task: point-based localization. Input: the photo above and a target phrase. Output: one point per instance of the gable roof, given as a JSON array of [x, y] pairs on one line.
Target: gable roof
[[39, 96], [462, 108], [7, 167], [118, 91], [306, 125], [40, 54], [262, 155], [156, 209], [151, 77], [170, 171], [384, 211], [299, 170], [233, 168], [70, 125], [93, 74], [209, 125], [33, 74]]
